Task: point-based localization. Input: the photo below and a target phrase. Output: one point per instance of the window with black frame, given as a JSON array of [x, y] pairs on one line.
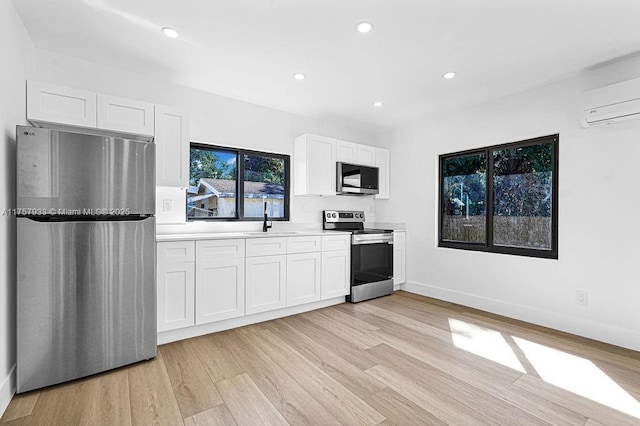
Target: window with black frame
[[236, 184], [502, 198]]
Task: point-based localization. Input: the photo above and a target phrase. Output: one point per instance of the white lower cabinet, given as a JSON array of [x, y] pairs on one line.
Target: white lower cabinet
[[219, 289], [336, 273], [399, 257], [176, 285], [219, 279], [209, 280], [303, 278], [266, 283]]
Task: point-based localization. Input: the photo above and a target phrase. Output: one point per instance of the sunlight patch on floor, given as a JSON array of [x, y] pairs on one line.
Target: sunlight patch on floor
[[484, 342], [579, 376]]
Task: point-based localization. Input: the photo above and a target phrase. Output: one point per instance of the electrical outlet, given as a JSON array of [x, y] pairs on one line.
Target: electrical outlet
[[167, 205], [581, 297]]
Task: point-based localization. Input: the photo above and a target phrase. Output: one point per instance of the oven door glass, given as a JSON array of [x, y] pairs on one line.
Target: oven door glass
[[371, 263]]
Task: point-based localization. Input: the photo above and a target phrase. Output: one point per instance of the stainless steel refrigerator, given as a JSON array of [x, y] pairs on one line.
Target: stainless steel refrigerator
[[86, 298]]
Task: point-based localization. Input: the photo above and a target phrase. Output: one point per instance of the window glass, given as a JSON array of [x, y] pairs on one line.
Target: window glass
[[264, 184], [463, 198], [502, 198], [234, 184], [212, 183], [523, 196]]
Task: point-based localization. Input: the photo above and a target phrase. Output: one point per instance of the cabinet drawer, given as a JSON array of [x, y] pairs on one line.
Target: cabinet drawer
[[266, 246], [304, 244], [336, 242], [175, 252], [207, 250]]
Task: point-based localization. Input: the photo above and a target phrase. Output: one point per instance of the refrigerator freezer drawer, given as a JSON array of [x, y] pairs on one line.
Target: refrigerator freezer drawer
[[86, 298]]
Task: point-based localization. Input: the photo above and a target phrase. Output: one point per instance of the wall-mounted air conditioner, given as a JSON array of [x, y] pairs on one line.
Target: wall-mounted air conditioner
[[609, 104]]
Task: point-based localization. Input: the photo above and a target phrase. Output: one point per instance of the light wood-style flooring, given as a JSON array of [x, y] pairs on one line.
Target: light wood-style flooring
[[402, 359]]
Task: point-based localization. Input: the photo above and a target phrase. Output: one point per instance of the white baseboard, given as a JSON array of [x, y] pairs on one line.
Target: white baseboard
[[200, 330], [624, 337], [7, 390]]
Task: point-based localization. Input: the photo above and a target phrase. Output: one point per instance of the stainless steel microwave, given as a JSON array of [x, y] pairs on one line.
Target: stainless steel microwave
[[354, 179]]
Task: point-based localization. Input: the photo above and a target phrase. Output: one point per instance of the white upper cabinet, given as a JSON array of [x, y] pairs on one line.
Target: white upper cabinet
[[65, 106], [125, 115], [347, 152], [355, 153], [47, 103], [172, 147], [366, 155], [315, 165], [382, 163]]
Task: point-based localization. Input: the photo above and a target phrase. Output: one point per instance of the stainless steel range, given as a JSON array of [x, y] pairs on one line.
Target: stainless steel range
[[371, 254]]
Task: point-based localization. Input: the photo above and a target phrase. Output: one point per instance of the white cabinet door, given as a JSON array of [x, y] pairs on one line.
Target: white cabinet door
[[172, 147], [303, 278], [219, 289], [399, 257], [266, 283], [175, 284], [125, 115], [175, 295], [347, 152], [366, 155], [382, 162], [336, 273], [315, 165], [47, 103]]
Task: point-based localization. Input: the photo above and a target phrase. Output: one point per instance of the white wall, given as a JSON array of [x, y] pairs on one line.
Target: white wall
[[214, 119], [599, 206], [15, 51]]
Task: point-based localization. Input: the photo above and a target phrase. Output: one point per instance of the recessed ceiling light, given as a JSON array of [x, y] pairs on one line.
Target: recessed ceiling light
[[298, 76], [364, 27], [449, 75], [377, 104], [170, 32]]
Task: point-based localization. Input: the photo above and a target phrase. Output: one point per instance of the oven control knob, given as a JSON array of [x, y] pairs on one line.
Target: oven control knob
[[333, 215], [328, 214]]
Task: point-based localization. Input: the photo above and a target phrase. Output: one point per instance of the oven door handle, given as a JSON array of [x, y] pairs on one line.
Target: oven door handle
[[365, 239], [359, 243]]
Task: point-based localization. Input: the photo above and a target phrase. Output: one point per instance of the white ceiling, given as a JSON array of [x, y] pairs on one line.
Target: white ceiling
[[250, 49]]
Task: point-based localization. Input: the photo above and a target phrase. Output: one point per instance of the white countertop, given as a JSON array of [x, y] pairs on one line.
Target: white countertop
[[233, 235]]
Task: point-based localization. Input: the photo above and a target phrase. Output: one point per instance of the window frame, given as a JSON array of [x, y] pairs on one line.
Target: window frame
[[488, 245], [240, 156]]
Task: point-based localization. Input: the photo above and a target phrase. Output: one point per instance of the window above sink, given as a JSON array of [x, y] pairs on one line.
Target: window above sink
[[234, 184]]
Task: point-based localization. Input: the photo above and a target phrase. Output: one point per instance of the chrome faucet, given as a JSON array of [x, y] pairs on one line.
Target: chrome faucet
[[264, 223]]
